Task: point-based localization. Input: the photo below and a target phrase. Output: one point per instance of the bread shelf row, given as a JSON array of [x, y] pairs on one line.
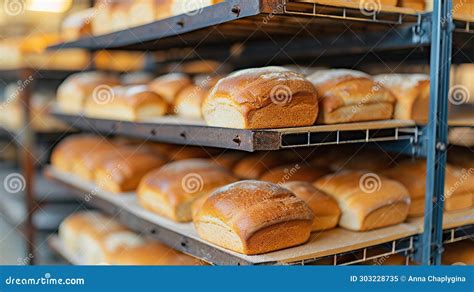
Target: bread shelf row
[[338, 246], [195, 132], [334, 246], [237, 21]]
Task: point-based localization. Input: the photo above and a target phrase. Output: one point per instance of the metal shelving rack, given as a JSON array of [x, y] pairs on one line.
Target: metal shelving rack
[[252, 31], [26, 140]]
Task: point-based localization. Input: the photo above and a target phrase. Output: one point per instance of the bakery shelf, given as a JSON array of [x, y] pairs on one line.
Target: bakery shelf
[[193, 132], [338, 246], [236, 21], [457, 225], [54, 242]]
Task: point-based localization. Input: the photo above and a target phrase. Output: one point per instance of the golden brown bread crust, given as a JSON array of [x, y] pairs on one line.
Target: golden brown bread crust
[[70, 148], [293, 172], [367, 201], [350, 96], [254, 165], [325, 209], [130, 103], [123, 172], [171, 190], [459, 253], [254, 217], [74, 91], [268, 97], [189, 101], [412, 174], [412, 92], [258, 231], [152, 254], [169, 85]]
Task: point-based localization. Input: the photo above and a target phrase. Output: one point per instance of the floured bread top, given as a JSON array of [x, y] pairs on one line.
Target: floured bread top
[[322, 76], [404, 81]]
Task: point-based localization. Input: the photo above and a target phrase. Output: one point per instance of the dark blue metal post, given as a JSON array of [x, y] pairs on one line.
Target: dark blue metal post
[[437, 130]]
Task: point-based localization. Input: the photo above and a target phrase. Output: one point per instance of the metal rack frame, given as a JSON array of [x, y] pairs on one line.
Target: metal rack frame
[[434, 29], [191, 132], [27, 140]]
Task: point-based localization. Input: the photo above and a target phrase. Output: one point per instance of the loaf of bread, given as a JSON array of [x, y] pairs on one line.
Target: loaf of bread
[[418, 5], [74, 91], [77, 25], [171, 190], [73, 226], [325, 209], [412, 92], [70, 148], [93, 236], [351, 96], [367, 201], [127, 103], [268, 97], [189, 100], [169, 85], [293, 172], [123, 172], [86, 161], [459, 253], [254, 217], [120, 61], [254, 165], [458, 187], [102, 20], [151, 253]]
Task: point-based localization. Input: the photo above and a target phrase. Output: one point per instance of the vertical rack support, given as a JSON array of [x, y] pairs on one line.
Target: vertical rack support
[[28, 165], [437, 131]]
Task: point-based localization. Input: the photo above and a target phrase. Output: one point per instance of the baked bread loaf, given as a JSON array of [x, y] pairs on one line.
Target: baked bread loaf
[[171, 190], [351, 96], [169, 85], [325, 209], [77, 25], [186, 6], [412, 92], [459, 253], [128, 103], [419, 5], [70, 148], [120, 61], [151, 253], [268, 97], [71, 228], [293, 172], [74, 91], [189, 100], [367, 201], [123, 172], [254, 217], [458, 187], [254, 165], [86, 163]]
